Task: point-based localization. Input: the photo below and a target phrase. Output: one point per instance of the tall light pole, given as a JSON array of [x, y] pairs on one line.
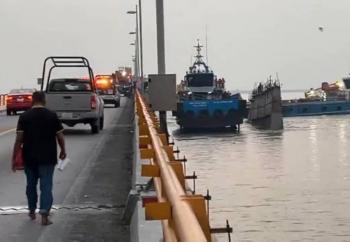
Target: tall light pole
[[137, 71], [134, 60], [141, 41], [161, 57]]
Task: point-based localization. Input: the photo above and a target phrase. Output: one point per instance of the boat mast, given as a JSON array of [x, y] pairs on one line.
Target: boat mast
[[199, 58], [206, 43]]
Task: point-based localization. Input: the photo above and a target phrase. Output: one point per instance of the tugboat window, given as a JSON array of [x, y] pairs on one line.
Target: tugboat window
[[200, 80]]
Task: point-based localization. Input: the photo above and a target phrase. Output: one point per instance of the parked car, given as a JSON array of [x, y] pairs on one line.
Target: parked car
[[19, 100]]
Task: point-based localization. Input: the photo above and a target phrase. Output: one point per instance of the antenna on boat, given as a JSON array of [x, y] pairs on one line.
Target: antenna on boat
[[206, 43], [198, 49], [199, 59]]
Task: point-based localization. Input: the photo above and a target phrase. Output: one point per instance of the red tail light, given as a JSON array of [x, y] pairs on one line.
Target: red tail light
[[29, 97], [93, 102], [9, 99]]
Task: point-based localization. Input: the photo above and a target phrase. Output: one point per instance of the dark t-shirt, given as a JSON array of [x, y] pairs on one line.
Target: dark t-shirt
[[40, 127]]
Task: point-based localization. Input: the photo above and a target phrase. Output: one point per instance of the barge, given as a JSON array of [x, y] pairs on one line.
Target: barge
[[265, 110], [330, 99]]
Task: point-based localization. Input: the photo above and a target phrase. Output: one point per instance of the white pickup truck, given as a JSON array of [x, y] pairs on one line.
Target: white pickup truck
[[73, 99]]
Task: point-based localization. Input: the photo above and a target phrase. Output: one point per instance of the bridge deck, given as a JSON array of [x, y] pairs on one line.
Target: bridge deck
[[90, 195]]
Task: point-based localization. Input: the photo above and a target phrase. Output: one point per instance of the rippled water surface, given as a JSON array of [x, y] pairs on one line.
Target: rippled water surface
[[290, 185]]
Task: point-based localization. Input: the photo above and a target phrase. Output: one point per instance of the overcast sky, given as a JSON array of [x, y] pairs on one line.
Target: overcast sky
[[248, 39]]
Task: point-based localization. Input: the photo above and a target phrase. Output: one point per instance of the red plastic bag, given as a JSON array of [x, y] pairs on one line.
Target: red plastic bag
[[19, 163]]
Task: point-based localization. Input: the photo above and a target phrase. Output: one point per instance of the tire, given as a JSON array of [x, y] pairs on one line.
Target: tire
[[117, 104], [95, 126], [8, 112], [102, 123]]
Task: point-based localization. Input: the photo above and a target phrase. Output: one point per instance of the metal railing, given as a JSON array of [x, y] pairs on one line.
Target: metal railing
[[184, 216]]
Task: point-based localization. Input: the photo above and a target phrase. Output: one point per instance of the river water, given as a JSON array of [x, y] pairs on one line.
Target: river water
[[290, 185]]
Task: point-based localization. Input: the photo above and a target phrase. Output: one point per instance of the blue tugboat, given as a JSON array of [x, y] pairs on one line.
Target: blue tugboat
[[329, 99], [203, 101]]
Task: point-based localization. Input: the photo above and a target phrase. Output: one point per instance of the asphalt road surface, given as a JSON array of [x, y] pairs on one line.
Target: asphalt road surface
[[98, 176]]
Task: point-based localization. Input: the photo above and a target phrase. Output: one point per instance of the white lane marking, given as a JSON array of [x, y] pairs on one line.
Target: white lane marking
[[7, 131]]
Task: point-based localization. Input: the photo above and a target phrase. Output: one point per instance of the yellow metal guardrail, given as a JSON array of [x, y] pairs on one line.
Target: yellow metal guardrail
[[183, 215]]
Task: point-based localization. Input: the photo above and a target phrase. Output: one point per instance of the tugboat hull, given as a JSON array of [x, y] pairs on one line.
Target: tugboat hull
[[199, 114]]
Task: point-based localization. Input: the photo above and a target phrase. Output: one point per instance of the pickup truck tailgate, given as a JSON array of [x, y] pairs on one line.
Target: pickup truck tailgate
[[69, 101]]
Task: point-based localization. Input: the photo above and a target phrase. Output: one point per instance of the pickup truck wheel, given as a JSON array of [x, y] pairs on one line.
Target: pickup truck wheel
[[117, 104], [95, 126], [8, 112], [101, 123]]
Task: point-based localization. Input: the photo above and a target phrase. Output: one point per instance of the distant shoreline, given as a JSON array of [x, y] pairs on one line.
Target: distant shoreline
[[289, 90]]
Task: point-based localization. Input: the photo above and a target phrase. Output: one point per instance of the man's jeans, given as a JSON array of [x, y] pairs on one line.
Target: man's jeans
[[44, 173]]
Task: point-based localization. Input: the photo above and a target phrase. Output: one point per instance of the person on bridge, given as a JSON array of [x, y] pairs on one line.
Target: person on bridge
[[37, 132]]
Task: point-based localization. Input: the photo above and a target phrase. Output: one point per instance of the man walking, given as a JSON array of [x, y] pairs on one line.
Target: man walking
[[37, 132]]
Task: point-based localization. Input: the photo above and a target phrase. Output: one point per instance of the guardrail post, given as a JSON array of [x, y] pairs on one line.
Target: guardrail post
[[179, 171], [158, 211], [197, 202]]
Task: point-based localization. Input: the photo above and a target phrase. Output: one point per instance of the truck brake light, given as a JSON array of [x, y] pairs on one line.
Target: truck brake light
[[93, 102]]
